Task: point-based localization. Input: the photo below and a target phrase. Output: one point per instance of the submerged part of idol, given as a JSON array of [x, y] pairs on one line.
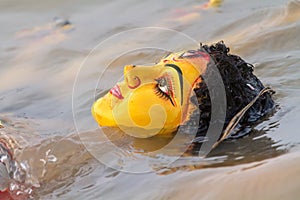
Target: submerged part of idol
[[157, 99]]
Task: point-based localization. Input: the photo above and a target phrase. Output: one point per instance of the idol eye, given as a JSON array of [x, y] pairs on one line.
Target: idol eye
[[163, 86], [164, 89]]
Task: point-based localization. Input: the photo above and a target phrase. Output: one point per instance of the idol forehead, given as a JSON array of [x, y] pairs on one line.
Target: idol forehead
[[190, 64], [183, 59], [190, 54], [179, 61]]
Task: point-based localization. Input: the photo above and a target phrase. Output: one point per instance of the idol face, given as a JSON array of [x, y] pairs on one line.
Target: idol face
[[152, 99]]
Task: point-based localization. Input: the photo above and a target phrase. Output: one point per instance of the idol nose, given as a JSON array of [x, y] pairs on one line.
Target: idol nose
[[132, 80], [127, 68]]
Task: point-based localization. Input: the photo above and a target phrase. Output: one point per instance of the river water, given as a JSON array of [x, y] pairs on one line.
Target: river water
[[46, 94]]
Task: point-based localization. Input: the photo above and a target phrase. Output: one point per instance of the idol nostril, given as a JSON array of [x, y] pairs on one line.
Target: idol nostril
[[134, 82]]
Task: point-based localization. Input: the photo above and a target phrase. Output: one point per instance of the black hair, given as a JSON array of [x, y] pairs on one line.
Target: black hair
[[241, 87]]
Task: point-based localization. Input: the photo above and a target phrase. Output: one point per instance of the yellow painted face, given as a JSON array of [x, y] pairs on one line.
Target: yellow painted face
[[152, 99]]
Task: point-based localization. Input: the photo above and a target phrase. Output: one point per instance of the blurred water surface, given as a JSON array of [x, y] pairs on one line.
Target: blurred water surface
[[39, 64]]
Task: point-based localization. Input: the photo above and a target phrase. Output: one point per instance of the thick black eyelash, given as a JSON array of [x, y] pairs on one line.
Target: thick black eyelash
[[162, 95]]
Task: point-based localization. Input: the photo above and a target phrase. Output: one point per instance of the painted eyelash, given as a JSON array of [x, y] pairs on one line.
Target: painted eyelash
[[172, 83], [160, 93]]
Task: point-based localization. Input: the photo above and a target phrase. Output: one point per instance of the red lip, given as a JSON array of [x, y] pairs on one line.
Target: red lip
[[115, 91]]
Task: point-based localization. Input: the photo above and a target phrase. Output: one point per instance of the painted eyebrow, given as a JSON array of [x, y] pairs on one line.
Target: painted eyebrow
[[179, 72]]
